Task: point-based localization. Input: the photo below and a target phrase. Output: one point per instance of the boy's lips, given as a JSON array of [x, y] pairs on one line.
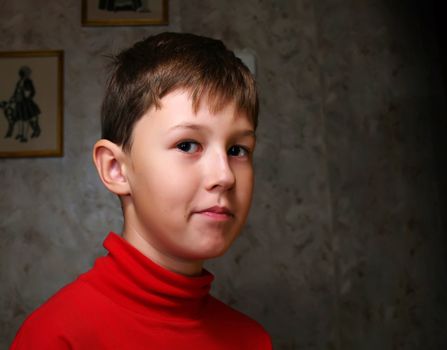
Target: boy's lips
[[216, 213]]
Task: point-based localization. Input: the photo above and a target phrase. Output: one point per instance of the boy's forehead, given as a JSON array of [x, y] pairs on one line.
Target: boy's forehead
[[177, 110], [198, 100], [183, 99]]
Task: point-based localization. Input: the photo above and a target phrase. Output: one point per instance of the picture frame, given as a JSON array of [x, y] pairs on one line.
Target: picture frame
[[31, 103], [125, 12]]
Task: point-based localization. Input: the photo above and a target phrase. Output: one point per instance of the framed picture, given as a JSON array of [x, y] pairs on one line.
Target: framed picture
[[124, 12], [31, 103]]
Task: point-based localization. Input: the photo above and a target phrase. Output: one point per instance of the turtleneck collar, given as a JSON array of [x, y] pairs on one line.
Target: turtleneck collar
[[135, 282]]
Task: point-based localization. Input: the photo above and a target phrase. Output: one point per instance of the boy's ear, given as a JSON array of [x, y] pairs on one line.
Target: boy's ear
[[109, 159]]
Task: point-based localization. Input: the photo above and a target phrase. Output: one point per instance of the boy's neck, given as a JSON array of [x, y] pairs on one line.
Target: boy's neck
[[187, 268]]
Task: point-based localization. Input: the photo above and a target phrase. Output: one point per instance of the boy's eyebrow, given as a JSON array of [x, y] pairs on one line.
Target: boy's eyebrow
[[192, 126], [186, 126]]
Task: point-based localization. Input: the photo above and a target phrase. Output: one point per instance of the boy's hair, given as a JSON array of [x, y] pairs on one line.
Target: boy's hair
[[152, 68]]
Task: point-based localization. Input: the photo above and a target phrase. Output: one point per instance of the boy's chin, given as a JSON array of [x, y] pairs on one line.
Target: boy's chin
[[210, 251]]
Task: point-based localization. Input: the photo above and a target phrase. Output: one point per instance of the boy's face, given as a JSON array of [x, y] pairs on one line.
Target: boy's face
[[190, 177]]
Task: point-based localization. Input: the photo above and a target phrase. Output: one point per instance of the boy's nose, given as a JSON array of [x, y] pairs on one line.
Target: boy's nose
[[219, 175]]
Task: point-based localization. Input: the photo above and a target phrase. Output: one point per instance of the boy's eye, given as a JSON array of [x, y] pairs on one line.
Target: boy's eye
[[188, 146], [238, 151]]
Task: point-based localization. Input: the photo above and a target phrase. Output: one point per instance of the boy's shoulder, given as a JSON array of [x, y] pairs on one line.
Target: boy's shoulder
[[64, 313], [227, 313], [223, 316]]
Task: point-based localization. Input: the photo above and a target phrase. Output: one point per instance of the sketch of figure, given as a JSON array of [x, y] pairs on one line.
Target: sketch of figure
[[124, 5], [26, 111]]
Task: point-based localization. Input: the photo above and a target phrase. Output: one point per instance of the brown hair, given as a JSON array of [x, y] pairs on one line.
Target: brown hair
[[152, 68]]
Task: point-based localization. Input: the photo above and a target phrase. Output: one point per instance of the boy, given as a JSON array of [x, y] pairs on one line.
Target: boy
[[178, 128]]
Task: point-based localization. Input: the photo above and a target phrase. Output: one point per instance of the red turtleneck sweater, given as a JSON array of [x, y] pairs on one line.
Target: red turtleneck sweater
[[128, 302]]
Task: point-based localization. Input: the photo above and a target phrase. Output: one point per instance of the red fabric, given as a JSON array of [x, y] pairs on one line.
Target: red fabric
[[128, 302]]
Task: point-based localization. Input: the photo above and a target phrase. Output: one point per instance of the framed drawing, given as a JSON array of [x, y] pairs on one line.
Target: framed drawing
[[124, 12], [31, 103]]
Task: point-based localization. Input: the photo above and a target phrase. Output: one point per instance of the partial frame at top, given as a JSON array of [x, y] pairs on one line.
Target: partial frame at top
[[99, 13]]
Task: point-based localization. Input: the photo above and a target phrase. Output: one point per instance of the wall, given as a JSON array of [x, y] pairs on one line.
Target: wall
[[382, 96], [343, 248]]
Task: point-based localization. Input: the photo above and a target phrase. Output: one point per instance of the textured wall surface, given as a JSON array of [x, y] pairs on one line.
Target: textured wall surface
[[381, 96], [343, 248]]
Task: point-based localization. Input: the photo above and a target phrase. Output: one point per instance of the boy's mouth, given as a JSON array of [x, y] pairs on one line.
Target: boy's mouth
[[217, 213]]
